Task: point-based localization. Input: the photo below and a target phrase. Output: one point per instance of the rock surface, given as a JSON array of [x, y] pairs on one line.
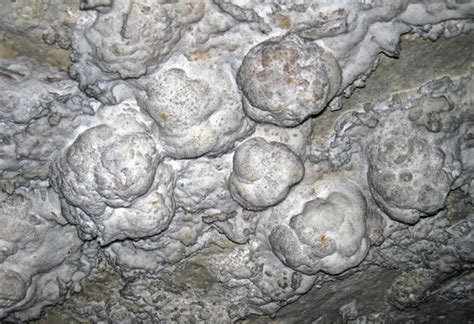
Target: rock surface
[[221, 161]]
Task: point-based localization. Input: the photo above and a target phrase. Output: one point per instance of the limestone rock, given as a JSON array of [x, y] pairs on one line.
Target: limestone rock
[[221, 161]]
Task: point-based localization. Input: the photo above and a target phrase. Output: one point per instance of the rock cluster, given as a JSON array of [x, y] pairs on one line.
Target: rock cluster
[[204, 155]]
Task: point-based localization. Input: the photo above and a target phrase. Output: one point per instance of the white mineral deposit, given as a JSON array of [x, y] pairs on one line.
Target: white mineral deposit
[[250, 161]]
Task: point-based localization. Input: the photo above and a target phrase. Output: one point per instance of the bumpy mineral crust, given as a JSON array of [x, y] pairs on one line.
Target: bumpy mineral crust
[[327, 231], [130, 37], [195, 118], [222, 161], [408, 177], [32, 275], [285, 81], [263, 173], [103, 178]]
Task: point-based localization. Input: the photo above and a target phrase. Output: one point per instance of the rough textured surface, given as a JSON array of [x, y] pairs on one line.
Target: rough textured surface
[[258, 179], [31, 275], [193, 117], [104, 175], [236, 161], [322, 227], [287, 80]]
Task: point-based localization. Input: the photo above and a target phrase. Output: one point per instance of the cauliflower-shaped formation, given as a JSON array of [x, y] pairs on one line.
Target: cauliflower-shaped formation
[[407, 176], [329, 233], [103, 176], [30, 275], [147, 216], [131, 37], [263, 173], [102, 168], [193, 117], [287, 80]]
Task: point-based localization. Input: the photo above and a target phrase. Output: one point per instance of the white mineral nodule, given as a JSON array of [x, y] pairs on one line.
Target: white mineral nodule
[[328, 234], [409, 175], [287, 80], [103, 178], [128, 39], [194, 116], [263, 173]]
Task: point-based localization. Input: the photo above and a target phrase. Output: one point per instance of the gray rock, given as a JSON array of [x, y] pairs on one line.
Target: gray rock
[[221, 161]]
